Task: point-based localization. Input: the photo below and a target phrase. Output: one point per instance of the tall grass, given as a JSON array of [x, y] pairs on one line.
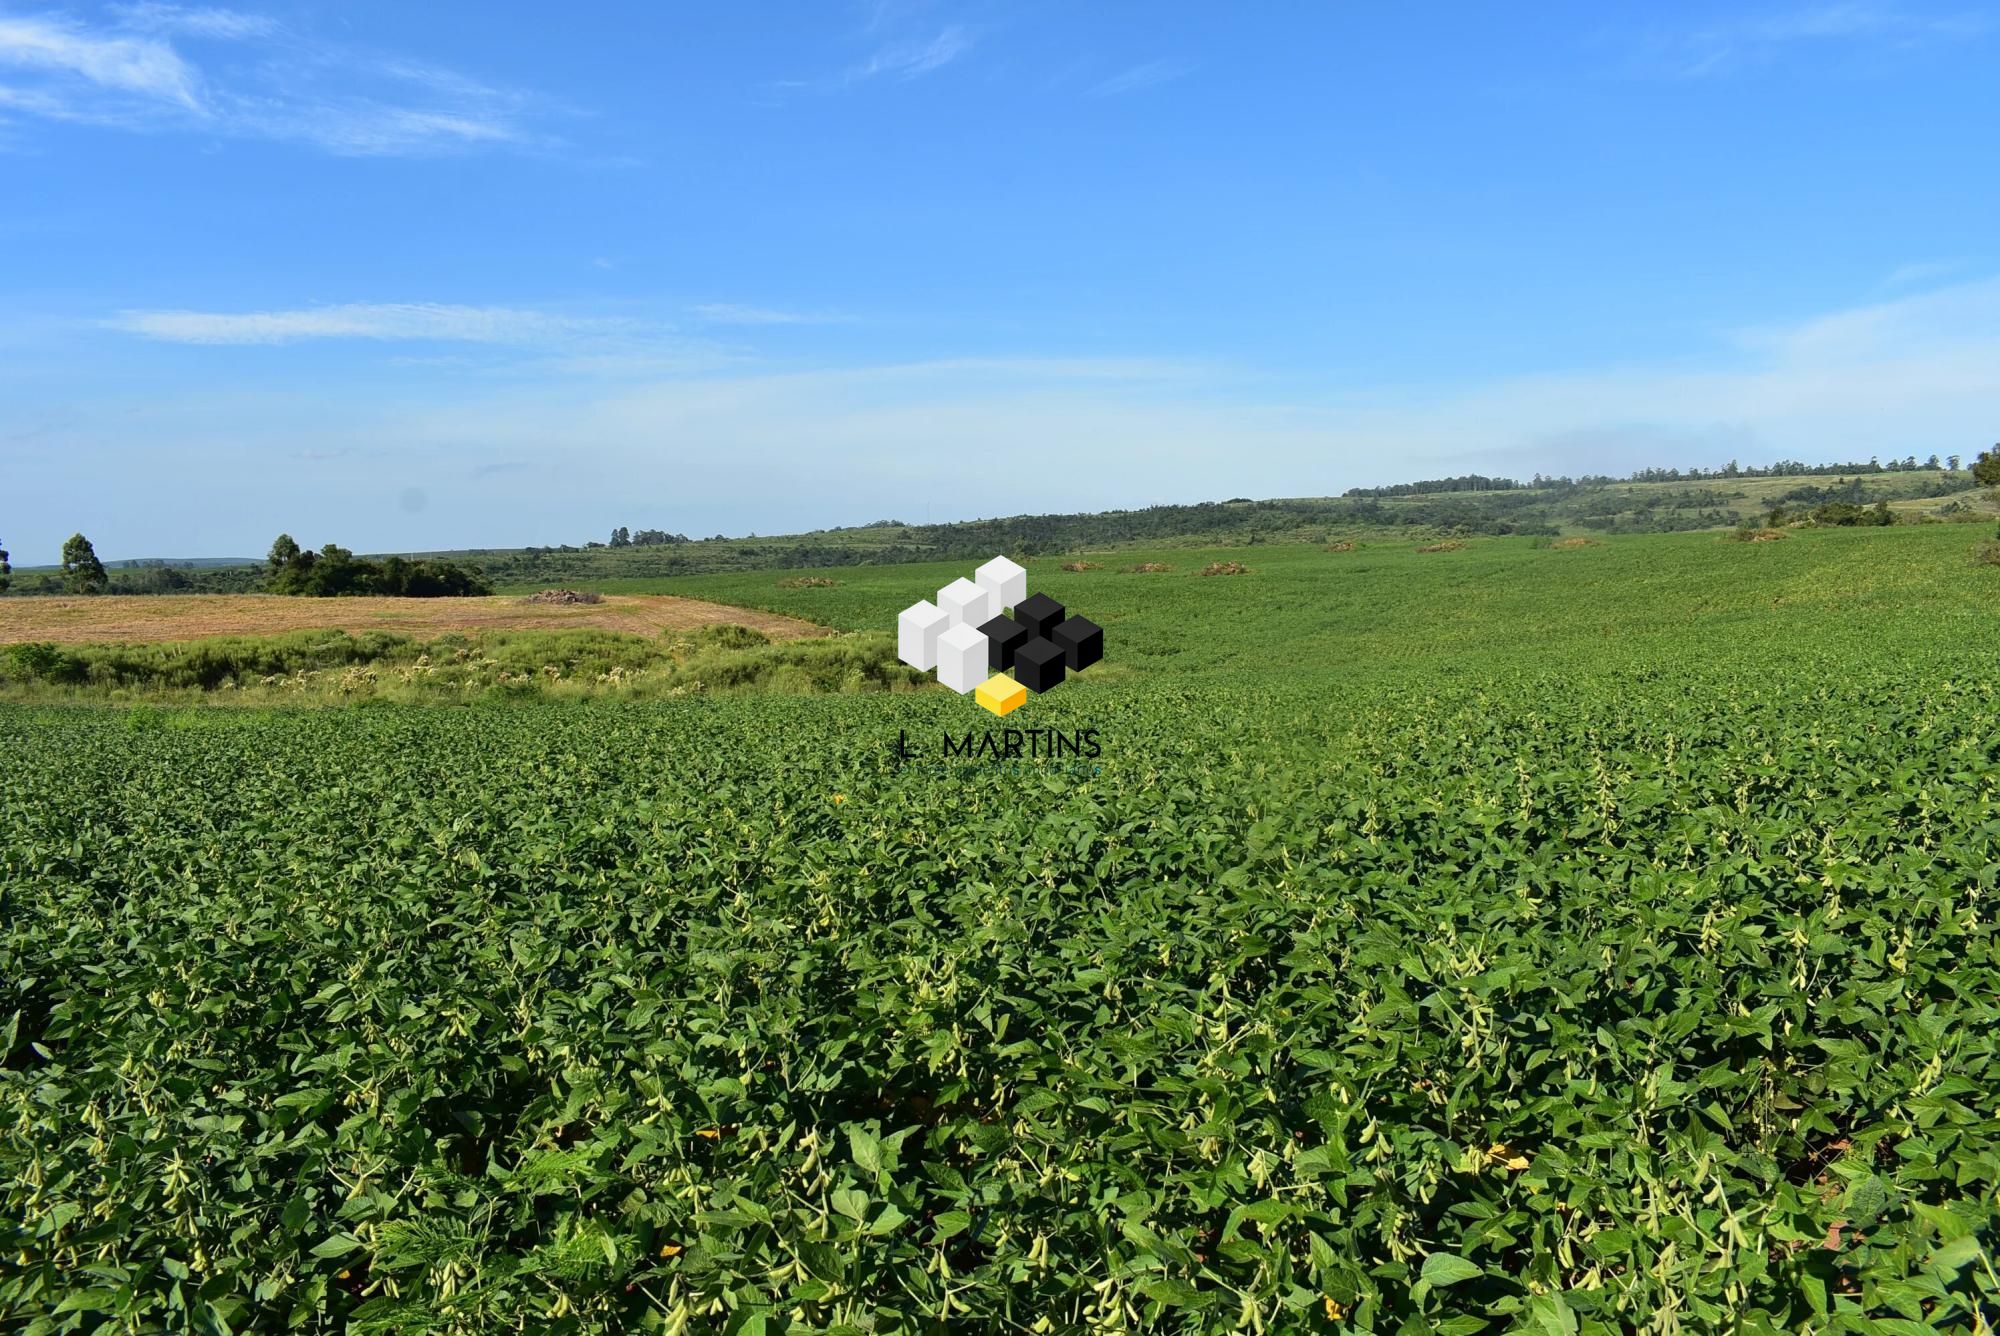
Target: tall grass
[[321, 666]]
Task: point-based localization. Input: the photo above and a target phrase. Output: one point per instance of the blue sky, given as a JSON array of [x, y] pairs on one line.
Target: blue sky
[[416, 276]]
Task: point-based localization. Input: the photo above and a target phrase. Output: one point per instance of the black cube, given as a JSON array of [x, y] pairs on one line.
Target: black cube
[[1038, 664], [1003, 635], [1081, 641], [1039, 613]]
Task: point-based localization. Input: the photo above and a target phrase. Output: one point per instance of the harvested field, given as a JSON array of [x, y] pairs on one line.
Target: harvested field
[[145, 617]]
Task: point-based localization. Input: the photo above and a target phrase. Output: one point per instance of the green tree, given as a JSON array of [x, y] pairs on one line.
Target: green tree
[[83, 573], [621, 537], [1986, 468], [336, 572], [6, 571], [291, 567]]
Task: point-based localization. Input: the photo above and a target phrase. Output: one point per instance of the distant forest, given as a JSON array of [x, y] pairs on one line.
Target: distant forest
[[1654, 500], [1784, 468]]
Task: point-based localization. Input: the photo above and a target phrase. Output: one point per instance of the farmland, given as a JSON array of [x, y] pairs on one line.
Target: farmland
[[171, 617], [1566, 940]]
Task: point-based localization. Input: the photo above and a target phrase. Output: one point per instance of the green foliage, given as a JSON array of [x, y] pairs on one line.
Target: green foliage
[[1435, 1012], [42, 662], [1842, 513], [1986, 468], [333, 571], [317, 666], [1531, 939], [6, 571], [82, 572]]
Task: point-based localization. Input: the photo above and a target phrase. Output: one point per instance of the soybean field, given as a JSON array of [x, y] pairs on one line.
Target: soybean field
[[1486, 940]]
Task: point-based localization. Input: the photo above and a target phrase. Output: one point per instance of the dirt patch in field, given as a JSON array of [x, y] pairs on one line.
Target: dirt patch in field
[[1340, 547], [1224, 568], [1573, 544], [1448, 545], [148, 617], [1079, 565], [1151, 568]]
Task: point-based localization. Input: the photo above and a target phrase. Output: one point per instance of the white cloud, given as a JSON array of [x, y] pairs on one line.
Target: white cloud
[[730, 313], [70, 56], [362, 128], [354, 103], [362, 320], [1139, 76]]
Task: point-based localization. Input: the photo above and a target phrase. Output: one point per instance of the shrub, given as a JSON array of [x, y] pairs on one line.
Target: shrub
[[40, 662]]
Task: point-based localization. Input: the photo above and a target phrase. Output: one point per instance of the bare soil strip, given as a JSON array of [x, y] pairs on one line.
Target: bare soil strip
[[153, 617]]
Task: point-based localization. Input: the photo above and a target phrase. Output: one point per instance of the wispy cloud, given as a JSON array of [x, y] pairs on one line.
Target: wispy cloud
[[729, 313], [402, 321], [1913, 275], [69, 57], [1750, 39], [1153, 72], [912, 58], [130, 74], [218, 24]]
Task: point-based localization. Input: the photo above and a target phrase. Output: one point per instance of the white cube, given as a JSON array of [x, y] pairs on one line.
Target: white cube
[[1005, 581], [917, 632], [961, 655], [968, 604]]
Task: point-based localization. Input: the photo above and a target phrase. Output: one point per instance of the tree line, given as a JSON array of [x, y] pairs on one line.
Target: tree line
[[334, 571], [329, 572]]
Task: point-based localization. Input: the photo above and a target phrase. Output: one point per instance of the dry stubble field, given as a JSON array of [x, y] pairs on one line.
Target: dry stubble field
[[159, 617]]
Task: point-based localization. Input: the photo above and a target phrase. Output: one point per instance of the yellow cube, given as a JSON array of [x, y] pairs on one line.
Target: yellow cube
[[1002, 695]]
